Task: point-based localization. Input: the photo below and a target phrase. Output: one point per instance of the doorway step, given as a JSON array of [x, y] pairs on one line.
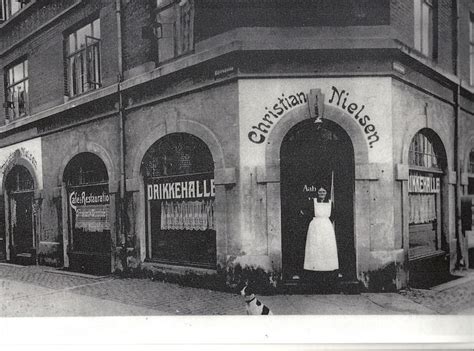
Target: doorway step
[[25, 258], [347, 287]]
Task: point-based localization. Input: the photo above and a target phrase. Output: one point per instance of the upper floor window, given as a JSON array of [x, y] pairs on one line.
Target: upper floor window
[[9, 7], [471, 162], [16, 92], [175, 28], [424, 26], [83, 59]]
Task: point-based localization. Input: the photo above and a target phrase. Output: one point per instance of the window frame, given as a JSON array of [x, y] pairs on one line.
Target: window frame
[[6, 8], [75, 84], [11, 110], [424, 34], [182, 35], [470, 168]]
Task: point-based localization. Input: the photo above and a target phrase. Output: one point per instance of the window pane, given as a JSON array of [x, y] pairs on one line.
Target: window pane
[[96, 28], [18, 72], [426, 31], [15, 6], [417, 34], [72, 43], [81, 35]]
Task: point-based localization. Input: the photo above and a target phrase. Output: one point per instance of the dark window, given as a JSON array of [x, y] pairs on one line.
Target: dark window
[[19, 179], [424, 28], [471, 162], [175, 28], [16, 98], [179, 180], [83, 59]]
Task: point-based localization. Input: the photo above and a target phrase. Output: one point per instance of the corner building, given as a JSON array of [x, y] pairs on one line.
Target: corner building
[[184, 138]]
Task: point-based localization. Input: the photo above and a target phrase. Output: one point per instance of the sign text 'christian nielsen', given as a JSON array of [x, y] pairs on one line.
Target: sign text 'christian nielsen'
[[283, 104]]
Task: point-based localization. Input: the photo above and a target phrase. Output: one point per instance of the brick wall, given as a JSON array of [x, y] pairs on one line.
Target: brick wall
[[465, 8], [402, 20], [137, 50], [44, 49]]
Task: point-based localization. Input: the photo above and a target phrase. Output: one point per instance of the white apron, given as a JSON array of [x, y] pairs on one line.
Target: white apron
[[321, 249]]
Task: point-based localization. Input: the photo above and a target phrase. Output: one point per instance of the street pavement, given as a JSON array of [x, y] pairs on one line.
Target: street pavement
[[33, 291]]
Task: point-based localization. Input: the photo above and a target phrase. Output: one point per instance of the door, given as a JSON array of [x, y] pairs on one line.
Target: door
[[310, 157], [21, 207]]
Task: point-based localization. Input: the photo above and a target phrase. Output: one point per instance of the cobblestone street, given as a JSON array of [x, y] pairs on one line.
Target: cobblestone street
[[143, 296]]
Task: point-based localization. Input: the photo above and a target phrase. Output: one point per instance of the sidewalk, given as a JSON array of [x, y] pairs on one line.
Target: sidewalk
[[43, 291]]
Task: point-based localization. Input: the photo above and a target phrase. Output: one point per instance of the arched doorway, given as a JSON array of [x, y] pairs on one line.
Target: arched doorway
[[88, 213], [21, 215], [427, 244], [311, 156], [178, 172]]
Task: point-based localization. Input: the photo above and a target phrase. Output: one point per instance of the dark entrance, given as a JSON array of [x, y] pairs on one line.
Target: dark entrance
[[309, 156], [90, 246], [20, 188]]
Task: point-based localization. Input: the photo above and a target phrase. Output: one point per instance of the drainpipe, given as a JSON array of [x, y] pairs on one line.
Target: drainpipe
[[121, 112], [460, 262]]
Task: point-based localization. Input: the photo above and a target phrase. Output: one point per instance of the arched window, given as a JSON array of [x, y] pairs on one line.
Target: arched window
[[425, 152], [89, 240], [427, 161], [178, 171]]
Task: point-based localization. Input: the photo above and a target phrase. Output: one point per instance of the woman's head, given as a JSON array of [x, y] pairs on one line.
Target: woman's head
[[322, 193]]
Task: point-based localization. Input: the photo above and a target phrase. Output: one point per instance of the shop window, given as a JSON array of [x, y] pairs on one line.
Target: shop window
[[16, 97], [427, 163], [88, 214], [179, 179], [10, 7], [175, 22], [423, 32], [83, 59]]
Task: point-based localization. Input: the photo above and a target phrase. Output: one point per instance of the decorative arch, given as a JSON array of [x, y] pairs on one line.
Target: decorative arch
[[183, 126], [95, 149], [272, 154], [19, 161]]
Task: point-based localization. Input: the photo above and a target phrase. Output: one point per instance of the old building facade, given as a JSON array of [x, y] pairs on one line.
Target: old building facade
[[184, 138]]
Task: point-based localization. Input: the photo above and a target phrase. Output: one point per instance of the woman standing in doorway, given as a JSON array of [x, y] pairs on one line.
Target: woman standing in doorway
[[321, 248]]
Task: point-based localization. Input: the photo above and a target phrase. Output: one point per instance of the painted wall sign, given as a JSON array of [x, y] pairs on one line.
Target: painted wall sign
[[339, 98], [423, 184], [91, 208], [184, 189], [282, 105], [87, 198], [93, 218]]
